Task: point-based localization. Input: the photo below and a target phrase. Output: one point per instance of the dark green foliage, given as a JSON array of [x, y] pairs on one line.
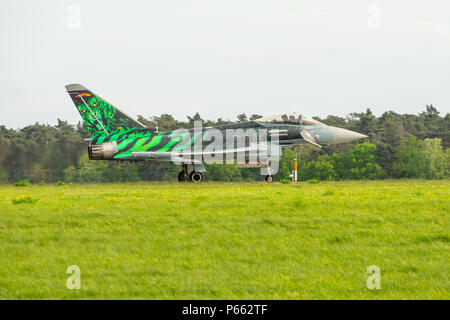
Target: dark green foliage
[[286, 164], [322, 169], [421, 159], [242, 117], [24, 200], [359, 163], [255, 116], [4, 177], [328, 193], [22, 183], [101, 171], [362, 163], [223, 172]]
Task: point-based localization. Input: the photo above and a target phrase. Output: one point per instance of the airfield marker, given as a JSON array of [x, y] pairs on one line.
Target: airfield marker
[[295, 170]]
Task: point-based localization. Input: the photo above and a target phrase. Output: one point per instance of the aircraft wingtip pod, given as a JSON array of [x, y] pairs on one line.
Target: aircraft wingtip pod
[[75, 87]]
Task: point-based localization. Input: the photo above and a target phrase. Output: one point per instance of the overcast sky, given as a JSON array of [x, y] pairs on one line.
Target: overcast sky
[[222, 58]]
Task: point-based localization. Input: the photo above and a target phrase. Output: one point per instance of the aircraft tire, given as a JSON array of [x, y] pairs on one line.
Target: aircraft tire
[[269, 178], [196, 177]]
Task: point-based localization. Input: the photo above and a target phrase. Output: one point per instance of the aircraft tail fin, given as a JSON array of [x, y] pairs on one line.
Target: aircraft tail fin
[[100, 117]]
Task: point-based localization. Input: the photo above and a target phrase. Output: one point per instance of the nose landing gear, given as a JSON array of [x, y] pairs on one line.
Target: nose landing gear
[[269, 176]]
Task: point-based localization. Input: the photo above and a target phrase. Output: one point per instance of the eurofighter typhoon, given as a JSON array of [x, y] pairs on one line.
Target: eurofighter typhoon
[[256, 143]]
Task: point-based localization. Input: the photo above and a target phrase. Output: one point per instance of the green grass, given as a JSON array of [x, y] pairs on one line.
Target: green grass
[[227, 241]]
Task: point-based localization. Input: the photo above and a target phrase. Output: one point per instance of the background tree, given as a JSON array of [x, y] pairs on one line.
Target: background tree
[[286, 164], [434, 124], [421, 159], [223, 172], [255, 116], [242, 117]]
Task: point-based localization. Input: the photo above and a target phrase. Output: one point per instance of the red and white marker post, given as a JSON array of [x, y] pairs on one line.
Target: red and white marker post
[[295, 170]]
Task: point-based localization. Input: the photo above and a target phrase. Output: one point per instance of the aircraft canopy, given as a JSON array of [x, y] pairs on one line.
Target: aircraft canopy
[[293, 117]]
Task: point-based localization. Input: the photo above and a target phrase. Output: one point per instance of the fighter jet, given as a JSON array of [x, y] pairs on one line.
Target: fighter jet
[[257, 143]]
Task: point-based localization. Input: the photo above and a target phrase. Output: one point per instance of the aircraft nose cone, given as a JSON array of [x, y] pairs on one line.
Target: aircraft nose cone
[[343, 135]]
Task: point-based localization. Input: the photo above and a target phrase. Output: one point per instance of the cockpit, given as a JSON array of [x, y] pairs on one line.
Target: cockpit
[[292, 118]]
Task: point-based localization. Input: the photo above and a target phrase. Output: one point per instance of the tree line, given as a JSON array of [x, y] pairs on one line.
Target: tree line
[[399, 146]]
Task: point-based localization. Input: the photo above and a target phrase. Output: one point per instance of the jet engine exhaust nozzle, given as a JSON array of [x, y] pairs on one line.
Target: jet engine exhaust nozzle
[[104, 151], [341, 135]]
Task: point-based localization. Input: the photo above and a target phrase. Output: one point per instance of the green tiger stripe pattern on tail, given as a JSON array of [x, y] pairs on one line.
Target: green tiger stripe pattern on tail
[[101, 118]]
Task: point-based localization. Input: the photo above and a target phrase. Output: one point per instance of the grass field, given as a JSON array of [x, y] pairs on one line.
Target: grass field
[[226, 241]]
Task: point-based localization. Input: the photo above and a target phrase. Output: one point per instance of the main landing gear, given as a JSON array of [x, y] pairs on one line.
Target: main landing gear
[[196, 177], [182, 177], [190, 175]]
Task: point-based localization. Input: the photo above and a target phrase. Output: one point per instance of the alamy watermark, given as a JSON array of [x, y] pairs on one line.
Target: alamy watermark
[[73, 19], [374, 280], [247, 147], [74, 280], [373, 21]]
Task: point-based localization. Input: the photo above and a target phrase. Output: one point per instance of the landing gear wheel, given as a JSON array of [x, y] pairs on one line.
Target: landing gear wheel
[[182, 176], [196, 177], [269, 178]]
